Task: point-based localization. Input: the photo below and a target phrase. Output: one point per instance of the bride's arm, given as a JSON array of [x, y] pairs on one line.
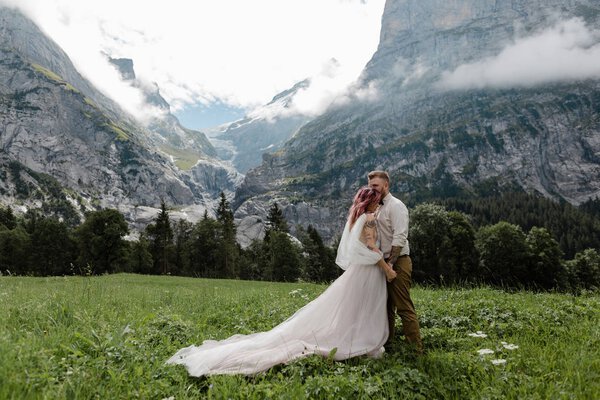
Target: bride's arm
[[369, 235]]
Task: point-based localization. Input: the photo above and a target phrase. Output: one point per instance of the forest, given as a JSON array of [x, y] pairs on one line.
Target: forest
[[511, 241]]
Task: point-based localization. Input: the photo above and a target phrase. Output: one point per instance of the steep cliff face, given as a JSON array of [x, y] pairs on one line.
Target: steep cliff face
[[186, 146], [54, 124], [49, 126], [438, 142]]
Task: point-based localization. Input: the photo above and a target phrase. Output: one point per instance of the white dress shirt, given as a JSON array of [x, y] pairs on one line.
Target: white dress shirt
[[392, 224]]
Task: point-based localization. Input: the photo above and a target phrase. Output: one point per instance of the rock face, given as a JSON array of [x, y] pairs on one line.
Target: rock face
[[437, 142], [55, 126], [186, 146]]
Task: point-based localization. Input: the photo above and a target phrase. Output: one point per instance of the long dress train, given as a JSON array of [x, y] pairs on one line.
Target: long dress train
[[350, 316]]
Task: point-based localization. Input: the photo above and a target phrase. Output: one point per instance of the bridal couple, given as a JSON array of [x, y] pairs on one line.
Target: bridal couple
[[354, 315]]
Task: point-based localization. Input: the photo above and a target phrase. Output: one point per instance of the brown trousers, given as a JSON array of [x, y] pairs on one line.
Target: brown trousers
[[399, 300]]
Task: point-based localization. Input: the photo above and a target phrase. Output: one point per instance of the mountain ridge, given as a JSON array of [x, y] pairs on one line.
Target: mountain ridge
[[54, 122]]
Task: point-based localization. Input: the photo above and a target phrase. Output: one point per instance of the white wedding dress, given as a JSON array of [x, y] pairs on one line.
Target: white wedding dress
[[349, 316]]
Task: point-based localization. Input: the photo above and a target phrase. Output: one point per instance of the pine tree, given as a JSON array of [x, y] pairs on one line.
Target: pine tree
[[205, 248], [254, 261], [100, 241], [7, 218], [140, 258], [160, 235], [546, 268], [283, 257], [228, 248], [319, 260], [276, 221], [52, 248], [182, 238], [504, 254], [14, 248]]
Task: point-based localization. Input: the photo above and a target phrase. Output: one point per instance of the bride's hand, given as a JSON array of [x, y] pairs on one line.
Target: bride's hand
[[390, 274]]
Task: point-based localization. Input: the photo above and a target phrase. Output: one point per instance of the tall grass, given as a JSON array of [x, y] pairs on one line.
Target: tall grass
[[108, 337]]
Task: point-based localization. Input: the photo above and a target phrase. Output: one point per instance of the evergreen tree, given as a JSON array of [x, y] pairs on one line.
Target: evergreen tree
[[584, 270], [592, 207], [253, 261], [547, 270], [228, 249], [319, 260], [53, 250], [429, 242], [283, 257], [140, 258], [14, 250], [575, 229], [100, 241], [183, 238], [504, 254], [160, 236], [205, 248], [7, 218], [462, 258], [276, 221]]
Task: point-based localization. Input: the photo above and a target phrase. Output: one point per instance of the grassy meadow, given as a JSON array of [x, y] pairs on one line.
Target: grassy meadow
[[107, 337]]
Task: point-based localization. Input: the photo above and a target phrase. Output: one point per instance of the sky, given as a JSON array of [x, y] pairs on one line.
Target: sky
[[215, 60]]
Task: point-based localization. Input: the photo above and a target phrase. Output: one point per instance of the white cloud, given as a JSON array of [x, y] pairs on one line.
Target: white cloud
[[568, 51], [236, 51]]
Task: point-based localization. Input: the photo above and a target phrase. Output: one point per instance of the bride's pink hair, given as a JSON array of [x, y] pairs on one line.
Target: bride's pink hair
[[363, 198]]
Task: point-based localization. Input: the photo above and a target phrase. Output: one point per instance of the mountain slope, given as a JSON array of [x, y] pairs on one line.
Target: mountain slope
[[175, 139], [54, 122], [437, 143]]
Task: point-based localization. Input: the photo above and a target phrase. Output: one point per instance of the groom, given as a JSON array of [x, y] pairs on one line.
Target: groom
[[392, 222]]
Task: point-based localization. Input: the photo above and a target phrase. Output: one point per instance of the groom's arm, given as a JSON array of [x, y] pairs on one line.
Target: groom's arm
[[399, 219], [394, 254]]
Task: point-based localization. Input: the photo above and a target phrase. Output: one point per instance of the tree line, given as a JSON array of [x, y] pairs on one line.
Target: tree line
[[447, 247], [44, 246], [575, 228]]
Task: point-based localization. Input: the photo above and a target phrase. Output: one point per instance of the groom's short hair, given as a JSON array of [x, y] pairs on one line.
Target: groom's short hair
[[379, 174]]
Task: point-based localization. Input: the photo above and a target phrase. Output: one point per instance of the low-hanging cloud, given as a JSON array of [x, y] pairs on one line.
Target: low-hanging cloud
[[568, 51], [236, 52], [326, 89]]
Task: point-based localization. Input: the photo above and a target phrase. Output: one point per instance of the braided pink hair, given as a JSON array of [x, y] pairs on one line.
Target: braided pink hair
[[362, 199]]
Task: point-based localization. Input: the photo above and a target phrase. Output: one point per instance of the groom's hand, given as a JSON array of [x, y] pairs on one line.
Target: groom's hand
[[391, 274], [394, 254]]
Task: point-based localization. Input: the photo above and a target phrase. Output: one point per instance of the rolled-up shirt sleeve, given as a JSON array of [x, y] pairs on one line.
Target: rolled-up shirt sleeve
[[399, 220]]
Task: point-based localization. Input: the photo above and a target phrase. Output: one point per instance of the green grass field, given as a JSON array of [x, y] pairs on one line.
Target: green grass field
[[107, 337]]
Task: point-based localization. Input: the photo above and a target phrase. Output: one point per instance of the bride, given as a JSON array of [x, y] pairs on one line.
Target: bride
[[348, 319]]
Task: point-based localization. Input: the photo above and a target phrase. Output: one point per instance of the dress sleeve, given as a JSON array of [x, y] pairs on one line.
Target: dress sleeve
[[352, 250]]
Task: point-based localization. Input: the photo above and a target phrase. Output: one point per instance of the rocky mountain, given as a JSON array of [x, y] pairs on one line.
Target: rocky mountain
[[65, 143], [265, 130], [185, 145], [440, 141]]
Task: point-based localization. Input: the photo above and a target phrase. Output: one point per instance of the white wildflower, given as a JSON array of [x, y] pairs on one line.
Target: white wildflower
[[510, 346], [127, 330], [478, 334], [483, 352], [499, 361]]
